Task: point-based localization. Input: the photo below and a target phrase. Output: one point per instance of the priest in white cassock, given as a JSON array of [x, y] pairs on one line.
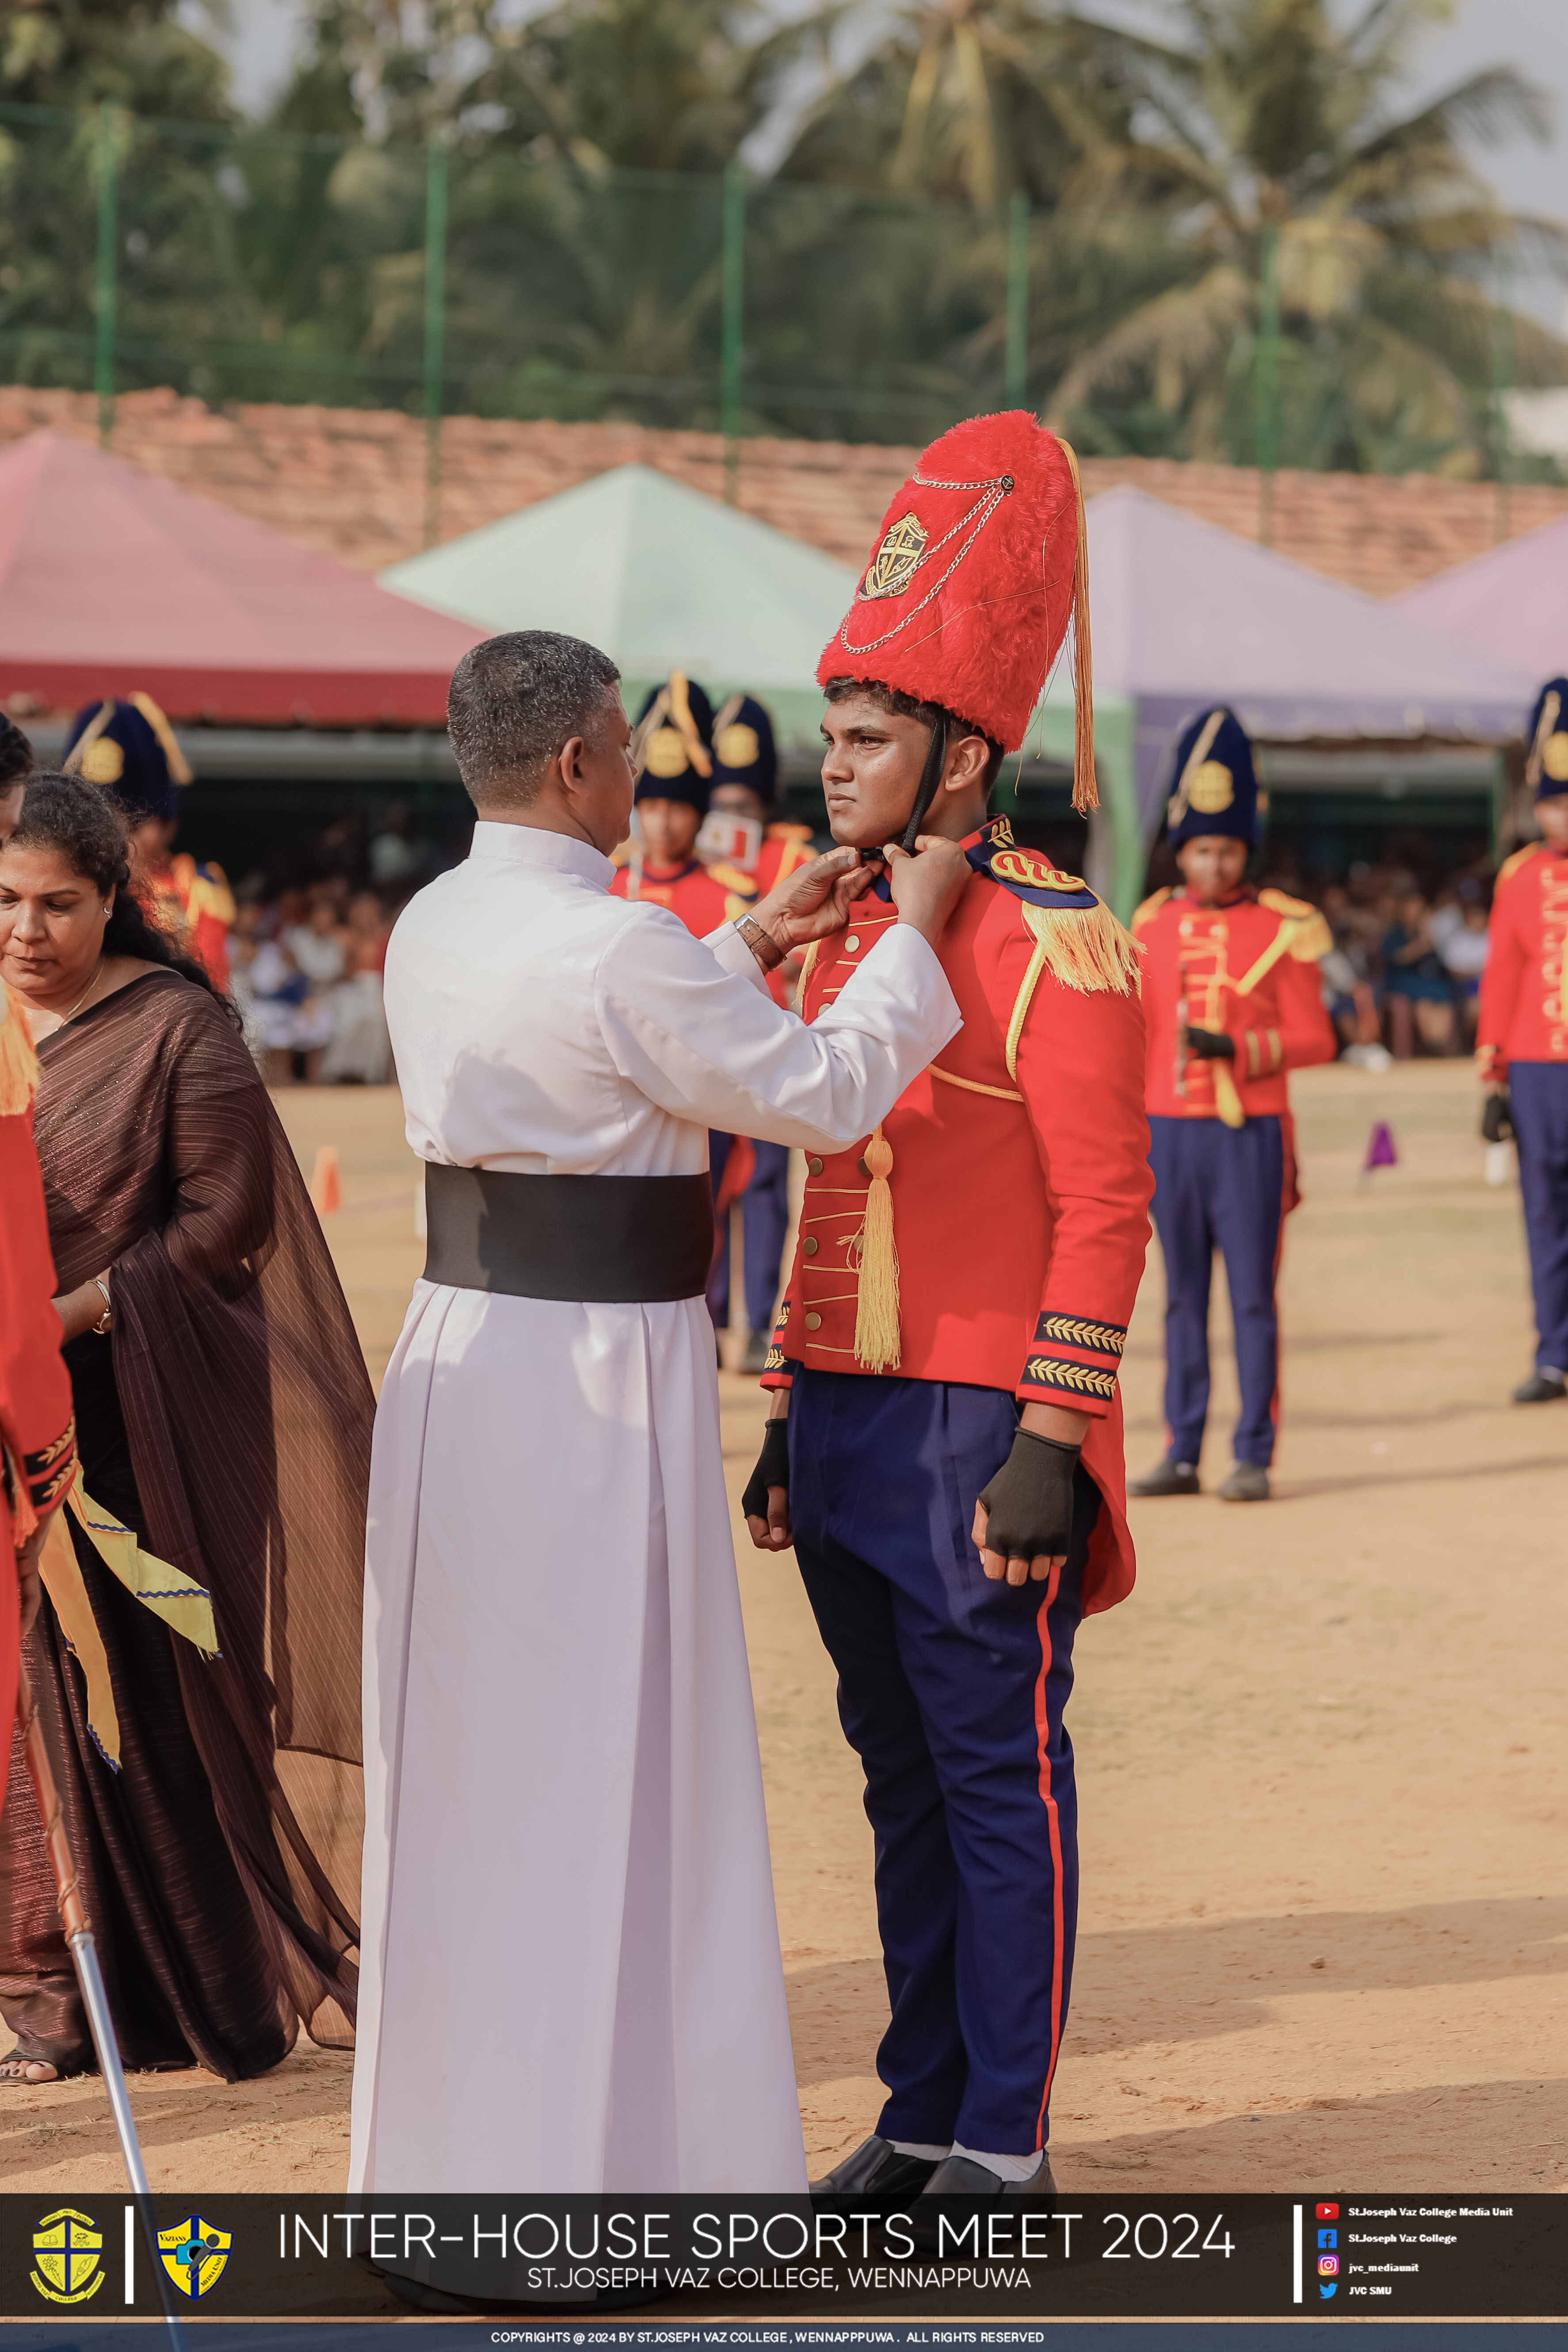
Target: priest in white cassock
[[571, 1978]]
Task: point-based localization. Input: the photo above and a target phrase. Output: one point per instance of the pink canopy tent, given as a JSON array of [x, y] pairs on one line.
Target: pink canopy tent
[[1510, 602], [111, 581]]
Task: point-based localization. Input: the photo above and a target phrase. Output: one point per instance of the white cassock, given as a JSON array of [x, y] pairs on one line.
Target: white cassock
[[571, 1978]]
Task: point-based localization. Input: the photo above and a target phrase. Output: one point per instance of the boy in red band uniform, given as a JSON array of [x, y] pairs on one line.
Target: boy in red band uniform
[[37, 1436], [1233, 1002], [945, 1450], [1522, 1040], [761, 854]]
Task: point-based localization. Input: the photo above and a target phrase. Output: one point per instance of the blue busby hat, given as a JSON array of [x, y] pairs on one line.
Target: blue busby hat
[[1213, 784], [129, 747], [673, 745], [1547, 767], [744, 751]]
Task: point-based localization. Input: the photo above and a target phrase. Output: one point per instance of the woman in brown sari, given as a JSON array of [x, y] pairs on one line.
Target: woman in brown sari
[[223, 1416]]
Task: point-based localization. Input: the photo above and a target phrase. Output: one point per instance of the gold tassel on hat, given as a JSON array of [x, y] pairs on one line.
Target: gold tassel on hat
[[1085, 783], [877, 1342]]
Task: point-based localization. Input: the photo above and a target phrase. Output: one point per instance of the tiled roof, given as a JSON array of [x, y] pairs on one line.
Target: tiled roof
[[350, 482]]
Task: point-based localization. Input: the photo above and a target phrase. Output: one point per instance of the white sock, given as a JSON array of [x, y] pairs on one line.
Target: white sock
[[1005, 2168], [921, 2148]]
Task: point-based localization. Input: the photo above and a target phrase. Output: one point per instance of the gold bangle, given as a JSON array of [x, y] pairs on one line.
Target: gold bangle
[[101, 1328]]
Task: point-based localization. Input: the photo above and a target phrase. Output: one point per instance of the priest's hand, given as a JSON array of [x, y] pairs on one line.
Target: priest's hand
[[927, 886], [765, 1499], [813, 900]]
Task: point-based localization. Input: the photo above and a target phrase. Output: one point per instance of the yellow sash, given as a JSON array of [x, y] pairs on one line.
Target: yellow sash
[[184, 1605]]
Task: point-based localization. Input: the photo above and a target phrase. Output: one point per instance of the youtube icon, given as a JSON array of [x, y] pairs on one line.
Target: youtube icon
[[1327, 2212]]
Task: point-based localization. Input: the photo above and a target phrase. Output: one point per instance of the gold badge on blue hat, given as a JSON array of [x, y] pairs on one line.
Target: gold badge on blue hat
[[67, 2247], [195, 2253]]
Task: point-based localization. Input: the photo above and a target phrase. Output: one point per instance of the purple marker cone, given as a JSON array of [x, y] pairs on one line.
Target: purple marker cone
[[1379, 1150]]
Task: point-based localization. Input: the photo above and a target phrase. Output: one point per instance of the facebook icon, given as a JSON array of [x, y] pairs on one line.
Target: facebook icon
[[1328, 2237]]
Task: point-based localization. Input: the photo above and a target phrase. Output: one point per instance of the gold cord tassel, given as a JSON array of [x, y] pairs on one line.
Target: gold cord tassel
[[876, 1339], [1085, 784], [18, 1062]]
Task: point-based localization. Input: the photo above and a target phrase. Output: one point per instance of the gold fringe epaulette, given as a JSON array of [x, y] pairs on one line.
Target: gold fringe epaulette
[[1148, 910], [1084, 949], [18, 1060], [1511, 865], [1311, 937]]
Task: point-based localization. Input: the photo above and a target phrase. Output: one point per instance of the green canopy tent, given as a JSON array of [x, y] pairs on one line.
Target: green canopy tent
[[660, 577]]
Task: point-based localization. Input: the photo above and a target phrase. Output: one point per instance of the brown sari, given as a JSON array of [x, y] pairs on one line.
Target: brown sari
[[227, 1420]]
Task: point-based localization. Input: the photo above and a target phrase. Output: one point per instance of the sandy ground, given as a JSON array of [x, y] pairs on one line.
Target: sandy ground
[[1321, 1758]]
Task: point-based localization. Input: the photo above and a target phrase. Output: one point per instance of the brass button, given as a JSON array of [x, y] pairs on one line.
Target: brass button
[[809, 1245], [814, 1167], [852, 944], [1186, 927], [814, 1322], [1222, 931]]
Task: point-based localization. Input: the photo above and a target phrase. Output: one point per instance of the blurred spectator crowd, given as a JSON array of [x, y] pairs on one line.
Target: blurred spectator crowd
[[1405, 974]]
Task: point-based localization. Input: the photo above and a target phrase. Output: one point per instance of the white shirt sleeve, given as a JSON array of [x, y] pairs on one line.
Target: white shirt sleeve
[[735, 956], [707, 1046]]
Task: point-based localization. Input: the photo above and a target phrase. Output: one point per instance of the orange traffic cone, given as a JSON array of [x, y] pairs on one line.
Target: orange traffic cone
[[326, 1185]]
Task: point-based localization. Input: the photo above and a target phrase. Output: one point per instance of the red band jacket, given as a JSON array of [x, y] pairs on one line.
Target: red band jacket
[[1524, 992], [1248, 967], [1019, 1181], [702, 896]]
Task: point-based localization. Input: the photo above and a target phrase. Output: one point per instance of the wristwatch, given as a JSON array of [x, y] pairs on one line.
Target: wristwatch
[[763, 944]]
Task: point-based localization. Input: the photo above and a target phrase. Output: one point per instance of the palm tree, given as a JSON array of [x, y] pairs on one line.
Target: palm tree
[[1346, 244]]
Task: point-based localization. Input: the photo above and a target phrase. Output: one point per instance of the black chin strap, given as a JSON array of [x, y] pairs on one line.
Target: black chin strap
[[930, 777]]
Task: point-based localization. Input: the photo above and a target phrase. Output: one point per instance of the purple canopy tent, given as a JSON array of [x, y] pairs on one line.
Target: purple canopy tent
[[1186, 614], [1510, 603]]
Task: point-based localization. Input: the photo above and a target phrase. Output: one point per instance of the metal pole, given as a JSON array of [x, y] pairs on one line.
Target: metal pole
[[435, 331], [107, 168], [733, 270], [1016, 372], [1268, 381]]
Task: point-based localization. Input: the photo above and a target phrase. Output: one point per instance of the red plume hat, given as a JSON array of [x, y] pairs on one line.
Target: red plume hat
[[979, 564]]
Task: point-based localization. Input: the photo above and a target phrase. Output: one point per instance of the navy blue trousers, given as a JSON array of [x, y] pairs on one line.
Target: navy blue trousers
[[950, 1691], [1539, 1094], [764, 1220], [1219, 1187]]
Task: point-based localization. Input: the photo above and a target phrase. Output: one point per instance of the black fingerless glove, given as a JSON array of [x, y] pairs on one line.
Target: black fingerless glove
[[1497, 1118], [771, 1470], [1210, 1044], [1028, 1504]]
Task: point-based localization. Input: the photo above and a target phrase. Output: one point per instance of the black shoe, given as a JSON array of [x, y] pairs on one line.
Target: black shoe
[[1170, 1479], [1247, 1483], [1540, 1387], [959, 2187], [876, 2174]]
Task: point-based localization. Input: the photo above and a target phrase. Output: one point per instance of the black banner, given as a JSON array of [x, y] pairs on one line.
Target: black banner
[[666, 2271]]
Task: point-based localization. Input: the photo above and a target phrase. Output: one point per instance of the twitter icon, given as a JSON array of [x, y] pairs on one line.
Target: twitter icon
[[1326, 2291]]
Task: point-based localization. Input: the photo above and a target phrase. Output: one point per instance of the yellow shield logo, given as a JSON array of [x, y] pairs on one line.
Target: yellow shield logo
[[193, 2253], [67, 2247], [1212, 788], [894, 565]]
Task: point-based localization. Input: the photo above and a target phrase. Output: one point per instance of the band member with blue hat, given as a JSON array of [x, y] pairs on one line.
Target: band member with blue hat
[[1522, 1040], [1233, 1002]]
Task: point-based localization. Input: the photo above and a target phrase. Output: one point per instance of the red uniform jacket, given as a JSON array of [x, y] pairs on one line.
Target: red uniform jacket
[[785, 848], [1524, 992], [1020, 1180], [196, 903], [38, 1437], [1249, 968], [702, 896]]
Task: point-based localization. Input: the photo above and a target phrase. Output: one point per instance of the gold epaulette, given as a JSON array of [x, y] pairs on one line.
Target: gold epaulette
[[1084, 949], [730, 878], [18, 1061], [1511, 865], [1148, 910], [1310, 937]]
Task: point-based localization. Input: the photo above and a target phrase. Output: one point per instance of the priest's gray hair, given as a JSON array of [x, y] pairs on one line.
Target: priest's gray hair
[[515, 701]]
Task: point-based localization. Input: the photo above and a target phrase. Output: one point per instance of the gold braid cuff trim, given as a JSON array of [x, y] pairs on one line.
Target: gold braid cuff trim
[[1090, 952], [1081, 1379], [973, 1086], [18, 1061], [1074, 1331]]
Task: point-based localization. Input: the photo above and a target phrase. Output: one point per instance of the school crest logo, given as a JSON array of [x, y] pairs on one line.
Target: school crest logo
[[67, 2248], [193, 2253], [897, 560]]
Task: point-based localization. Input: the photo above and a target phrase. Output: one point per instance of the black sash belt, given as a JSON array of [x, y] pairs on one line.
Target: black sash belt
[[612, 1238]]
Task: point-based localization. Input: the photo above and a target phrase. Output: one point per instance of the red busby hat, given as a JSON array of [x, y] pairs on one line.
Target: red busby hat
[[979, 564]]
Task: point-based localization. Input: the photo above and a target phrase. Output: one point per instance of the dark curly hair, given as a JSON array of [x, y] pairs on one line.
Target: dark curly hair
[[87, 829], [16, 755]]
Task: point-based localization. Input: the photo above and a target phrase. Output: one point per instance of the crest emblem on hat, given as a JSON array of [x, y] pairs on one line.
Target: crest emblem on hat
[[1554, 757], [66, 2247], [737, 745], [666, 754], [195, 2254], [103, 762], [897, 560], [1212, 788]]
